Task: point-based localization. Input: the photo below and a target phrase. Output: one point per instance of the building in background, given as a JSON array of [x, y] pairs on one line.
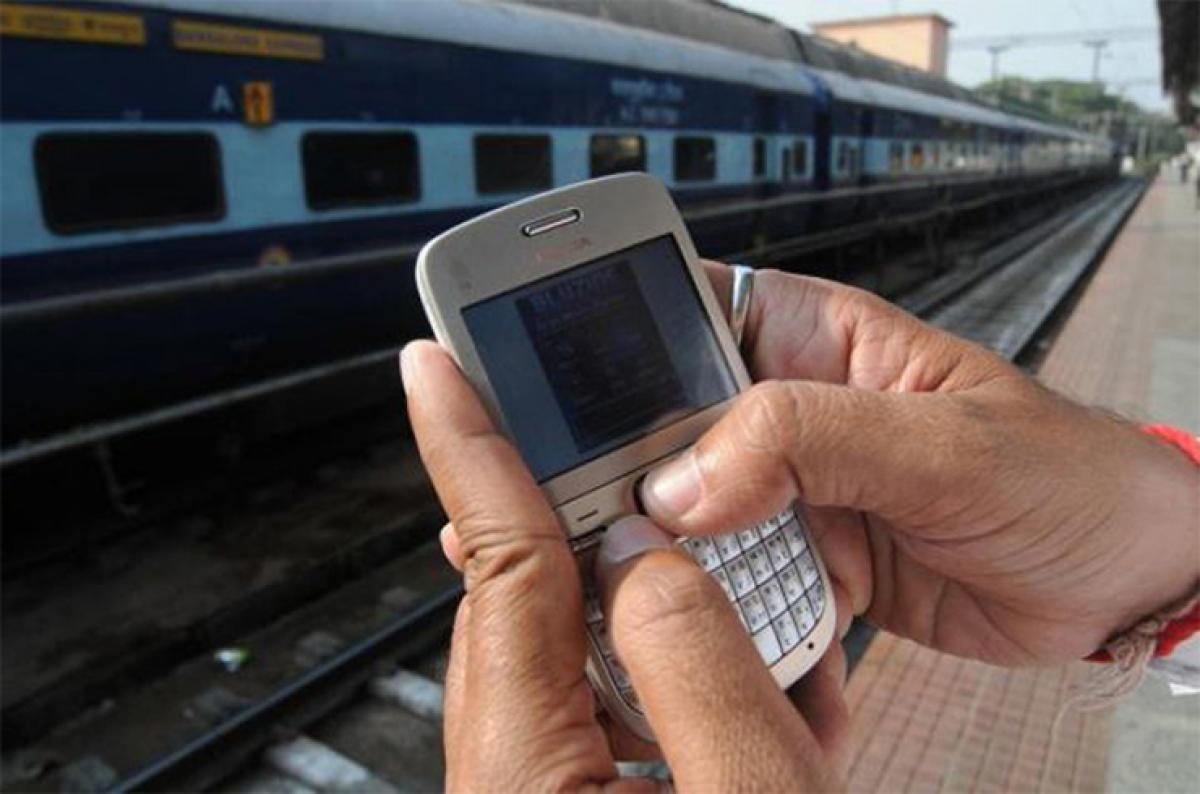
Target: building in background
[[917, 40]]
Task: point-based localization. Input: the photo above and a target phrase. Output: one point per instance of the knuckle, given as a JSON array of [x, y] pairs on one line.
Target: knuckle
[[498, 548], [766, 416]]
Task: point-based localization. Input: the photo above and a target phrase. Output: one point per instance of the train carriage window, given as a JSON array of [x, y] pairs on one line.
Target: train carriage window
[[800, 161], [695, 159], [615, 154], [95, 181], [348, 169], [760, 156], [916, 157], [512, 163], [843, 158], [785, 164]]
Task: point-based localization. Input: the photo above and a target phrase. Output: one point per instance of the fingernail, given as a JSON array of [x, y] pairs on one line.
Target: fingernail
[[630, 537], [406, 368], [672, 489]]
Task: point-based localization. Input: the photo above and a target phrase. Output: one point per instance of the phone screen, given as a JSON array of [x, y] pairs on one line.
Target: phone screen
[[590, 359]]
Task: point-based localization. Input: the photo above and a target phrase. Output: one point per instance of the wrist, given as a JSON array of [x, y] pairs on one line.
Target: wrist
[[1164, 519]]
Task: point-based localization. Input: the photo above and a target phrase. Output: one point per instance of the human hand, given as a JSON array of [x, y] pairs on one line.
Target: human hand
[[520, 714], [954, 500]]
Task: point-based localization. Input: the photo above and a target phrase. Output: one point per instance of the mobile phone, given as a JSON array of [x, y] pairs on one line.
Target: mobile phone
[[585, 322]]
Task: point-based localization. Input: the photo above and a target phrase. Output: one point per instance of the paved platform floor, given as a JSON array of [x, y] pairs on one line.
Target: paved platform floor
[[929, 722]]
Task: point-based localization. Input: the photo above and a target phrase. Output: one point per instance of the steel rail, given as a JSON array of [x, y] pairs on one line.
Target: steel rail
[[179, 769]]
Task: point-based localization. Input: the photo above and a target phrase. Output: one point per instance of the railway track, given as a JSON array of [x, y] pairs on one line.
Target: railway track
[[336, 686]]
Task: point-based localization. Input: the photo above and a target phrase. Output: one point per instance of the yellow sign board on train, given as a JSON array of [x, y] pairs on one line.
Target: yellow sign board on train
[[258, 103], [92, 27], [256, 42]]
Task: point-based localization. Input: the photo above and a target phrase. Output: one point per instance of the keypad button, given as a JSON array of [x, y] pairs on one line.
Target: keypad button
[[704, 552], [768, 645], [760, 564], [804, 617], [756, 611], [794, 534], [723, 580], [789, 580], [748, 537], [785, 628], [772, 596], [778, 549], [808, 570], [740, 576], [816, 594], [728, 546]]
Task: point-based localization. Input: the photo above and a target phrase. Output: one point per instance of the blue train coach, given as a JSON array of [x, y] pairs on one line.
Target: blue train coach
[[162, 141], [188, 185]]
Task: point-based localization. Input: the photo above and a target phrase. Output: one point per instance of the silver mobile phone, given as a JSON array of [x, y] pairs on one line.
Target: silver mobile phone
[[584, 320]]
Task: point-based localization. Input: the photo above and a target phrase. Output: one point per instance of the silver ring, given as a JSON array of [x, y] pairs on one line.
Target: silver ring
[[739, 301]]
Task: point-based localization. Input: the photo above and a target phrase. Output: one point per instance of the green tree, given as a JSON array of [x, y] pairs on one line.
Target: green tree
[[1065, 100]]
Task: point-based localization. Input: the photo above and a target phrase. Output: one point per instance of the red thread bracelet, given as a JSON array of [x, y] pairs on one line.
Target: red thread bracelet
[[1182, 628]]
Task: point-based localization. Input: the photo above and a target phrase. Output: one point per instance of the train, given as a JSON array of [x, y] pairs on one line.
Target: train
[[179, 149]]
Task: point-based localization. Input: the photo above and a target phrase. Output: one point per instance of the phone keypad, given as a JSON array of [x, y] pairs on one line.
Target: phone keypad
[[767, 572]]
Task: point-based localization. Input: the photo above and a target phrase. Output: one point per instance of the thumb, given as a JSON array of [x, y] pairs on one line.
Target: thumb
[[825, 444], [720, 718]]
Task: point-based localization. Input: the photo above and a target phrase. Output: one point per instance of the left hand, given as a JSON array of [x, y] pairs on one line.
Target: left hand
[[520, 714]]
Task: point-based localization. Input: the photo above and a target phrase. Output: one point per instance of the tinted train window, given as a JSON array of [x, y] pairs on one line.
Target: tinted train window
[[512, 163], [843, 158], [95, 181], [800, 164], [760, 156], [346, 169], [615, 154], [916, 157], [695, 159]]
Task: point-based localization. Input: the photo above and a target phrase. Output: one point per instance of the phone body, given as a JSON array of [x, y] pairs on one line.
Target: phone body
[[584, 320]]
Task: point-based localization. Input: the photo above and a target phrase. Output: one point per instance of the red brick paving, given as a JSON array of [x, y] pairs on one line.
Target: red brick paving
[[927, 722]]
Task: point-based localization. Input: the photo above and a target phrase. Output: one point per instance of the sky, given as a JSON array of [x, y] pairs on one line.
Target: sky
[[1132, 67]]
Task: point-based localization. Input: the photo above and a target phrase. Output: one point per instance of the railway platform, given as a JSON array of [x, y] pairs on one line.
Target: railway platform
[[924, 721]]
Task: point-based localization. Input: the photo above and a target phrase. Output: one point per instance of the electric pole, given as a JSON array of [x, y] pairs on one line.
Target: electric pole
[[1097, 46], [995, 50]]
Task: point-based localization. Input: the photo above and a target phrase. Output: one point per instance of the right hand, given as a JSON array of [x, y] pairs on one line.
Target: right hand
[[955, 500]]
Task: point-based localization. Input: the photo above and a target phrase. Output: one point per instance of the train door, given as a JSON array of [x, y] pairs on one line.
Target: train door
[[822, 133], [765, 122], [862, 127]]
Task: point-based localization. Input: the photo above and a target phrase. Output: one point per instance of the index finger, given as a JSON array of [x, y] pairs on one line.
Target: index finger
[[797, 328], [526, 617], [484, 486]]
